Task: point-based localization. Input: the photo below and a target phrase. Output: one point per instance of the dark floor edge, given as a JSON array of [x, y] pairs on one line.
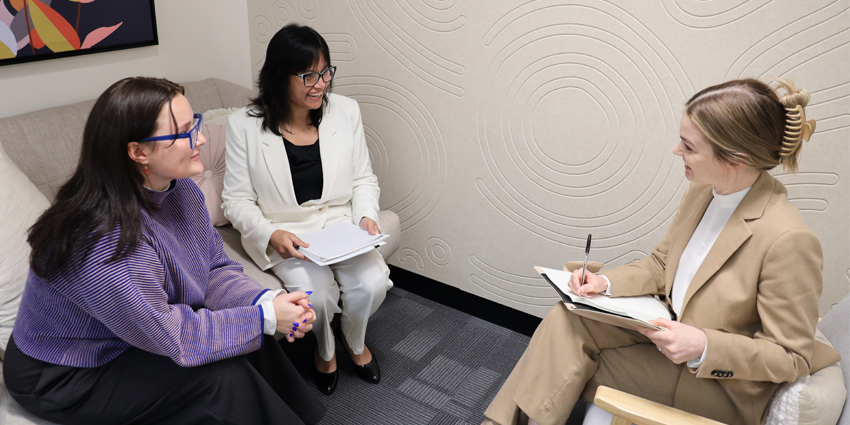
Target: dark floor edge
[[457, 299]]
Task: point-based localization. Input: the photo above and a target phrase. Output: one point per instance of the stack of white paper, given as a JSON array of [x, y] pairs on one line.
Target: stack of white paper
[[338, 242], [641, 308]]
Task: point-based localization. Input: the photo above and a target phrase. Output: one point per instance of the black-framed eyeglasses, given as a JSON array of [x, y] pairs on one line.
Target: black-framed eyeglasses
[[310, 79], [197, 122]]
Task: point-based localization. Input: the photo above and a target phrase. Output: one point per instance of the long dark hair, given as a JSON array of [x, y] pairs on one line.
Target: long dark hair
[[291, 52], [106, 189]]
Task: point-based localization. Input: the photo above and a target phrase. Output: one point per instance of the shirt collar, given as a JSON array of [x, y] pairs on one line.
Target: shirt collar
[[731, 200]]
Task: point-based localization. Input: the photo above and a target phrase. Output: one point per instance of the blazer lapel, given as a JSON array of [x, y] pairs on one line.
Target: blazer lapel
[[277, 162], [730, 239], [733, 235], [689, 225], [329, 148]]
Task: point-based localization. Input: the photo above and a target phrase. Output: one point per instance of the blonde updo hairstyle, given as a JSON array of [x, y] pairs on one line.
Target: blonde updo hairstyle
[[746, 122]]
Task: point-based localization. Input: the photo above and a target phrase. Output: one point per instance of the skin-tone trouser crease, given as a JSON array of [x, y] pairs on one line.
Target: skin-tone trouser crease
[[363, 285], [570, 356]]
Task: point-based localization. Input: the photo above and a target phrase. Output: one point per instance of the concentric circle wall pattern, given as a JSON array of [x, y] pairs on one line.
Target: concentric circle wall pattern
[[502, 133]]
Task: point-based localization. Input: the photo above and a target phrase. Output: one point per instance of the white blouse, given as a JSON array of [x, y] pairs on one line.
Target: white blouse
[[706, 233]]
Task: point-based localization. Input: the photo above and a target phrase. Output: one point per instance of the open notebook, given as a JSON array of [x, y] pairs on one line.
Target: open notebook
[[338, 242], [625, 312]]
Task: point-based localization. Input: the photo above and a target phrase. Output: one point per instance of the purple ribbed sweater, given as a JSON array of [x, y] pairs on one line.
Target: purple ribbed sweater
[[176, 295]]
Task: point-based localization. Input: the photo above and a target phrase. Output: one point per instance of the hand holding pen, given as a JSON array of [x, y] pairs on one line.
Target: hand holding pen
[[593, 284], [583, 282]]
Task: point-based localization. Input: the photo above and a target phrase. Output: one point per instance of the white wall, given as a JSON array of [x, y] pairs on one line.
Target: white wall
[[198, 39], [503, 132]]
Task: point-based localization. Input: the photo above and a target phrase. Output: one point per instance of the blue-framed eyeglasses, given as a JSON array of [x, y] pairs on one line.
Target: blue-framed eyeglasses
[[197, 122], [310, 79]]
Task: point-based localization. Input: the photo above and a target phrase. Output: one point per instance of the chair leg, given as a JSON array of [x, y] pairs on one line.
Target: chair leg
[[620, 421]]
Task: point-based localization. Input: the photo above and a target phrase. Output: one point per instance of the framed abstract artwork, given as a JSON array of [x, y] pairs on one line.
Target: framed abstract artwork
[[32, 30]]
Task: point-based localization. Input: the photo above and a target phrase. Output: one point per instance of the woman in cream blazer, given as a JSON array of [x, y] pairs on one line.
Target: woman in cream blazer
[[295, 125], [738, 266], [258, 194]]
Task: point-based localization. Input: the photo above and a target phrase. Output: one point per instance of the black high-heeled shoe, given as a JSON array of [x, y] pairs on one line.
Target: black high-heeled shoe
[[326, 382], [369, 372]]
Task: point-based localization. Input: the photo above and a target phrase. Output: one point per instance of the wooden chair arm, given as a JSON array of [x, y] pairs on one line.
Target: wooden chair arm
[[628, 409]]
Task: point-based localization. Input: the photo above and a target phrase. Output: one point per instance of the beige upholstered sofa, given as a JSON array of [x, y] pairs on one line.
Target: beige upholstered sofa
[[38, 153]]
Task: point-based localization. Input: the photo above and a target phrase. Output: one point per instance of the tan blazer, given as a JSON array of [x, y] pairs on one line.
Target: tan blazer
[[258, 194], [755, 295]]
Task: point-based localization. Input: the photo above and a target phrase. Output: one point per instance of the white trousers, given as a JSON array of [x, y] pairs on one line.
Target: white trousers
[[363, 284]]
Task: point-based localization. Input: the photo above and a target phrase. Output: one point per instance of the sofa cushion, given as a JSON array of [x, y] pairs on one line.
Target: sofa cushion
[[33, 140], [213, 93], [211, 180], [20, 204], [233, 248]]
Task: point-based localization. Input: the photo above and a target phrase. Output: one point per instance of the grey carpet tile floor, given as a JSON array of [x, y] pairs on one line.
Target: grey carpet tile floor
[[439, 366]]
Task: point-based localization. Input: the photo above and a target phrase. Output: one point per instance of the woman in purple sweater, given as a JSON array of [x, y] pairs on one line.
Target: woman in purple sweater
[[132, 312]]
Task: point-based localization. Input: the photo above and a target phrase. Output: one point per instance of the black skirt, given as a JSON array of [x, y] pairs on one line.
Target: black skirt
[[138, 387]]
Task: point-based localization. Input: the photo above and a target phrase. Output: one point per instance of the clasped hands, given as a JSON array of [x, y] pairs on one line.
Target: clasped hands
[[295, 314], [680, 342], [286, 243]]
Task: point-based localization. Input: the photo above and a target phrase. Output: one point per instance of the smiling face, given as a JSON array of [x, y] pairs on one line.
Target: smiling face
[[167, 159], [303, 98], [701, 165]]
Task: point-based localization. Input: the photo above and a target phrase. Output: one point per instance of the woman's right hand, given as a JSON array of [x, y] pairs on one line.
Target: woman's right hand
[[295, 315], [593, 284], [286, 244]]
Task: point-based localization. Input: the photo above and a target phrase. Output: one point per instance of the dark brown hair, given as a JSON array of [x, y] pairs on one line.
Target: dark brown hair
[[107, 188]]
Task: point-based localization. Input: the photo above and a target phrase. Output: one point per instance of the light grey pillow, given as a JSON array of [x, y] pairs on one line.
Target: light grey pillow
[[816, 399], [836, 327], [20, 204]]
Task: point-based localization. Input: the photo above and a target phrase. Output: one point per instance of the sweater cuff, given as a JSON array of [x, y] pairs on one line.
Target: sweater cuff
[[267, 295], [269, 316]]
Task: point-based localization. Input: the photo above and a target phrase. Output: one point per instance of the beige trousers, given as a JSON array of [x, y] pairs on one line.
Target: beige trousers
[[363, 284], [570, 356]]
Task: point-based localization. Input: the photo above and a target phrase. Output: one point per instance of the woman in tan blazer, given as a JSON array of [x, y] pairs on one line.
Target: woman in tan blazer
[[297, 162], [738, 267]]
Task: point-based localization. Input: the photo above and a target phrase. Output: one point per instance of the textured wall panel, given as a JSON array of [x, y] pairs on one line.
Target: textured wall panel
[[503, 133]]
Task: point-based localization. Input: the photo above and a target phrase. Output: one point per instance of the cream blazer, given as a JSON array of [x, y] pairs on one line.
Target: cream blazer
[[755, 295], [258, 194]]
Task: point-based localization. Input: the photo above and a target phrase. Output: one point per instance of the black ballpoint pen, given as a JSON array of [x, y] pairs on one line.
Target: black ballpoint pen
[[583, 269]]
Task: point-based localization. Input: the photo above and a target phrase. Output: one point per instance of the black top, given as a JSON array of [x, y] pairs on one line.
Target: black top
[[305, 164]]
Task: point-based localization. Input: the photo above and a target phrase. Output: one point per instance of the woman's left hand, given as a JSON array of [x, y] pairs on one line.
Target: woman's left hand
[[293, 310], [680, 342], [368, 224]]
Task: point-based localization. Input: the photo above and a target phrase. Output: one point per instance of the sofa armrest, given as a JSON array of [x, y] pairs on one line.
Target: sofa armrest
[[390, 225]]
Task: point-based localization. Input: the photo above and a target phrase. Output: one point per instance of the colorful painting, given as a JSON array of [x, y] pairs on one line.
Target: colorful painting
[[33, 30]]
